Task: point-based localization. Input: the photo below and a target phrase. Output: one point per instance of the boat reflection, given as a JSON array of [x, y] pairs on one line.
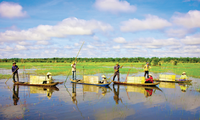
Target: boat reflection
[[88, 89], [167, 85], [43, 90], [15, 94], [146, 90]]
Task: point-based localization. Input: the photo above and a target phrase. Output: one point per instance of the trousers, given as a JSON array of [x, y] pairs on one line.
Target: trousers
[[15, 74], [146, 73], [74, 75], [116, 74]]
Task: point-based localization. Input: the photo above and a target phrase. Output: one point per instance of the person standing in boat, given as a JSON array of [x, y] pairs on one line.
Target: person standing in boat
[[73, 65], [183, 77], [116, 68], [150, 79], [146, 70], [15, 72]]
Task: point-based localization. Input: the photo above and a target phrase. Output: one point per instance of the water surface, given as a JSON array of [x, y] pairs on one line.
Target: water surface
[[75, 101]]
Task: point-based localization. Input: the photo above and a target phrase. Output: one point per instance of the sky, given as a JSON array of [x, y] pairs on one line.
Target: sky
[[108, 28]]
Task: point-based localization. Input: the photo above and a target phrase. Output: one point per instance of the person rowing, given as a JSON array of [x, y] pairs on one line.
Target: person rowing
[[150, 79], [116, 68]]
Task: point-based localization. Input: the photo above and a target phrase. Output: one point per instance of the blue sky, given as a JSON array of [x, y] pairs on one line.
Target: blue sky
[[110, 28]]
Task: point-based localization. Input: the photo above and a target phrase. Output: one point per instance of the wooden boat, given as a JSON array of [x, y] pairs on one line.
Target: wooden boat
[[176, 81], [29, 84], [137, 84], [81, 82]]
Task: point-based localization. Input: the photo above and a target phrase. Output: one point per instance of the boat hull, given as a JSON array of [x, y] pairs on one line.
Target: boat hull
[[176, 81], [103, 85], [28, 84], [137, 84]]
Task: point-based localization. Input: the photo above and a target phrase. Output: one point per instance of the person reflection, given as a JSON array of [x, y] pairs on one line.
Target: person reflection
[[183, 87], [148, 92], [74, 93], [15, 94], [116, 95]]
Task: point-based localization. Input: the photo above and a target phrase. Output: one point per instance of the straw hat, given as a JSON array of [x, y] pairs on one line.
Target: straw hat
[[14, 62], [117, 63], [183, 73], [150, 74], [48, 73], [103, 76]]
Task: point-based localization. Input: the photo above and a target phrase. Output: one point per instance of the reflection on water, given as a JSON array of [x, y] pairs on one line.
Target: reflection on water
[[76, 101], [15, 94]]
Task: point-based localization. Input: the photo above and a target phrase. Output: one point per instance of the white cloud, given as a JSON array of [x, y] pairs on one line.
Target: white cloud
[[95, 38], [6, 49], [150, 23], [69, 26], [152, 43], [192, 40], [68, 47], [119, 40], [76, 44], [23, 43], [130, 46], [36, 47], [90, 46], [42, 42], [114, 6], [116, 47], [178, 32], [20, 47], [189, 20], [11, 10]]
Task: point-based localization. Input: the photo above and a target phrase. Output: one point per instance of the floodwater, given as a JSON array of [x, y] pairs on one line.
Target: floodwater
[[76, 101]]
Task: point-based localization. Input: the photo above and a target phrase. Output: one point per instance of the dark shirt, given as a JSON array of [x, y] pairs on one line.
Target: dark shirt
[[14, 68], [117, 68]]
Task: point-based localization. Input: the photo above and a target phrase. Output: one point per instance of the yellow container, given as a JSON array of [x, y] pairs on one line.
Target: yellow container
[[91, 79], [135, 79], [167, 77]]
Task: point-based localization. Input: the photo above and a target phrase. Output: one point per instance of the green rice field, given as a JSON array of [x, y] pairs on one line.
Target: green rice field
[[192, 69]]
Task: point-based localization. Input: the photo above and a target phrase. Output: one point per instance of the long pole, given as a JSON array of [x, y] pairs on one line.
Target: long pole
[[79, 51]]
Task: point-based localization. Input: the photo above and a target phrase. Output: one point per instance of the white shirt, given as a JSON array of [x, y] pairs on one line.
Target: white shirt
[[73, 67]]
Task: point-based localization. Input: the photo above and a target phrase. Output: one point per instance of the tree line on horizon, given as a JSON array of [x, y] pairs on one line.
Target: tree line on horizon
[[153, 60]]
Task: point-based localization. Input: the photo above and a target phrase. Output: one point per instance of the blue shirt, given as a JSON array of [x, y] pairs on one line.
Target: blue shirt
[[14, 68], [117, 68]]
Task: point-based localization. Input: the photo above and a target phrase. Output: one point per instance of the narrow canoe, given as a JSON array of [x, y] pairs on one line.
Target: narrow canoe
[[176, 81], [28, 84], [81, 82], [137, 84]]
